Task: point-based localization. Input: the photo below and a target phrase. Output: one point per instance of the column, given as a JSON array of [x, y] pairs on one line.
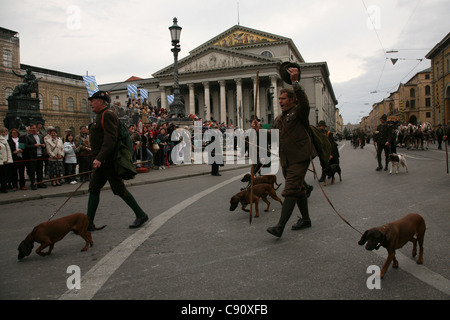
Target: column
[[207, 115], [276, 107], [239, 106], [223, 102], [191, 99], [162, 90]]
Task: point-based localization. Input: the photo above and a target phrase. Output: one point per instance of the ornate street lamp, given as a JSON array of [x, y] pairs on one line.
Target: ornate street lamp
[[177, 106]]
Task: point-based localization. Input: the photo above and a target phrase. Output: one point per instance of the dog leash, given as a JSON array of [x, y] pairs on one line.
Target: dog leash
[[321, 188], [329, 201], [68, 198]]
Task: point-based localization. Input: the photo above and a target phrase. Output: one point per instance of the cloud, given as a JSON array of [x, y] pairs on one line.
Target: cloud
[[115, 39]]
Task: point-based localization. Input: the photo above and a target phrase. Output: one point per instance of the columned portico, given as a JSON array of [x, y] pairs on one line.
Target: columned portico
[[219, 78]]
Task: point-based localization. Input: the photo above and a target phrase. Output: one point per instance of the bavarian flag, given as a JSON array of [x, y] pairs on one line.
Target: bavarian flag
[[91, 84], [132, 91], [144, 93]]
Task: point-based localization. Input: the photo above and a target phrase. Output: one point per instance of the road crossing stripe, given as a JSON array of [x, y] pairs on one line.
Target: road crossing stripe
[[97, 276]]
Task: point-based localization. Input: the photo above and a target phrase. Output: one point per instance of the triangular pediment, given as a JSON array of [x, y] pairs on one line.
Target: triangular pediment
[[215, 58], [239, 36]]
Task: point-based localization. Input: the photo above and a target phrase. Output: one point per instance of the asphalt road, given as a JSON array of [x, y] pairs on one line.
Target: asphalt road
[[194, 248]]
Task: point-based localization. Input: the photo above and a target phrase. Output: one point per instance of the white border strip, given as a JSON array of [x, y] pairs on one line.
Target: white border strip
[[97, 276]]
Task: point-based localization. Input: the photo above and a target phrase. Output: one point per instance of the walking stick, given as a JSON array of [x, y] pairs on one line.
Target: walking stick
[[253, 166], [446, 154]]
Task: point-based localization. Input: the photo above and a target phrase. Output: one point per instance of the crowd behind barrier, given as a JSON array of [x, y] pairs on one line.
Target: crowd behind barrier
[[42, 152]]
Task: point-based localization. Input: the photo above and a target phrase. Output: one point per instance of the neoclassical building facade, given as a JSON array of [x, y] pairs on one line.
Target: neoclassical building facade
[[229, 76]]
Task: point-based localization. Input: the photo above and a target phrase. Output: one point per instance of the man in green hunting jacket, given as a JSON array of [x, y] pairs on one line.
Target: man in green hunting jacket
[[103, 135], [296, 149]]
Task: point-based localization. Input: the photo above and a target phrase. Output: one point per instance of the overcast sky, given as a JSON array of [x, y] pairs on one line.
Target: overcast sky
[[114, 39]]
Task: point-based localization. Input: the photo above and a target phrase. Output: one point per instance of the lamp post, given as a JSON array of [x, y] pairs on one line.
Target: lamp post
[[177, 106]]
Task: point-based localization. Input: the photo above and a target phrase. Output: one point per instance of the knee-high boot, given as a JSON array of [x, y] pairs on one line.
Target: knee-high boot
[[304, 221], [131, 202], [286, 212], [141, 216], [93, 201]]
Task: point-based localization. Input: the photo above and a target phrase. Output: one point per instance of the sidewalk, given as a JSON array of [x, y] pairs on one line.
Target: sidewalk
[[153, 176]]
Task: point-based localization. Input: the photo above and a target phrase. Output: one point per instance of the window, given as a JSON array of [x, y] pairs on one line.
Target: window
[[83, 105], [7, 58], [427, 102], [427, 90], [428, 115], [56, 103], [267, 54], [412, 93], [70, 104]]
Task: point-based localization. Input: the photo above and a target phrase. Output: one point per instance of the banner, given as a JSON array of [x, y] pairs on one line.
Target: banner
[[144, 94], [132, 91], [170, 99], [91, 84]]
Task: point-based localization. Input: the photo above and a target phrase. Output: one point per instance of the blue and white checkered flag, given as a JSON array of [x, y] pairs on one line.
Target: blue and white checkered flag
[[132, 91], [91, 84], [170, 99], [144, 93]]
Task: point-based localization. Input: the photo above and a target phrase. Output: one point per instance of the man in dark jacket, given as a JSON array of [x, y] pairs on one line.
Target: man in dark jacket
[[103, 135], [296, 149], [381, 141], [35, 155]]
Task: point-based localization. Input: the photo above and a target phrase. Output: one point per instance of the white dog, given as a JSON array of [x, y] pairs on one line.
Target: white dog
[[397, 160]]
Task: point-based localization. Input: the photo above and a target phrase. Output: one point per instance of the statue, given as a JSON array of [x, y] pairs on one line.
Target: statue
[[23, 109], [29, 85]]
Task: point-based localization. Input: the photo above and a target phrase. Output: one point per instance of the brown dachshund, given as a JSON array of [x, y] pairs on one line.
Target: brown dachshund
[[47, 233], [395, 235], [269, 178], [259, 191]]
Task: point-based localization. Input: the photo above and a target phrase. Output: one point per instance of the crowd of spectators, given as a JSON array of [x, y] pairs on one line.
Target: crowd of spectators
[[42, 153]]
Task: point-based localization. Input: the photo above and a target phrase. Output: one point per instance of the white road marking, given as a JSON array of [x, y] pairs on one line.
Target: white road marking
[[419, 271], [97, 276]]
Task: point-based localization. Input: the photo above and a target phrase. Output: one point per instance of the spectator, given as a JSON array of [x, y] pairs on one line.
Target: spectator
[[84, 153], [55, 151], [161, 139], [70, 158], [5, 158], [35, 155], [17, 146]]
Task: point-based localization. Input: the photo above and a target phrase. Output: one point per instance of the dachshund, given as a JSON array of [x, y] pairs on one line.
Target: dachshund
[[50, 232]]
